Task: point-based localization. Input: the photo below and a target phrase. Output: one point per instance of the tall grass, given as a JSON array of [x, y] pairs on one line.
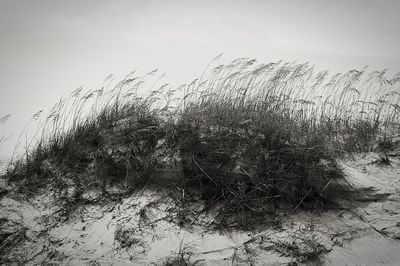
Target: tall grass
[[261, 133], [249, 135]]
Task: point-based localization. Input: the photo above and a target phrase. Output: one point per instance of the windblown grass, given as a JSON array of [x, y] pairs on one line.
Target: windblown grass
[[260, 134], [250, 136]]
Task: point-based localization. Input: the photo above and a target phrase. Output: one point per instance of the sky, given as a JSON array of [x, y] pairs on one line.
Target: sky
[[48, 47]]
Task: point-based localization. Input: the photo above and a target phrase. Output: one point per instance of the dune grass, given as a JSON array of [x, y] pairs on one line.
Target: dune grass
[[250, 136]]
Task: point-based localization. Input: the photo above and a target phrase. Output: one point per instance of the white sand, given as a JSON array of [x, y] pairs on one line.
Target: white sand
[[366, 231]]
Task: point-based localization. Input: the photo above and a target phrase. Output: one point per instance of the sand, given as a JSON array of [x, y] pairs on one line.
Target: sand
[[365, 230]]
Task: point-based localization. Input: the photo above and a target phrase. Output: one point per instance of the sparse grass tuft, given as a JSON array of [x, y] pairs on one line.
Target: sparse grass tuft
[[303, 245], [181, 257]]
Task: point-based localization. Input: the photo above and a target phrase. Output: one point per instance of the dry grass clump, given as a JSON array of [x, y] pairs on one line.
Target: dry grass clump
[[253, 136], [113, 137], [250, 136]]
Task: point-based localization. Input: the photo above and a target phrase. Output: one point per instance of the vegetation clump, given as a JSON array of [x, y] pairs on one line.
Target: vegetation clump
[[250, 138]]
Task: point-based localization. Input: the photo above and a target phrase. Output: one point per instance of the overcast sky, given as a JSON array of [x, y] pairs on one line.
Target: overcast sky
[[51, 47]]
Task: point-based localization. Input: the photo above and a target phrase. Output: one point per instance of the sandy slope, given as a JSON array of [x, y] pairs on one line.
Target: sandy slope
[[138, 231]]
